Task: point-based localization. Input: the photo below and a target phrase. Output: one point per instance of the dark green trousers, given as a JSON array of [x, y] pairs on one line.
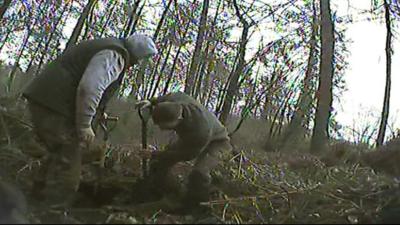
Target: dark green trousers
[[59, 174], [199, 180]]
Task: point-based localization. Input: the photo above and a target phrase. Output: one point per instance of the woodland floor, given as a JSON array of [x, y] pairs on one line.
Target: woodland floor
[[250, 187]]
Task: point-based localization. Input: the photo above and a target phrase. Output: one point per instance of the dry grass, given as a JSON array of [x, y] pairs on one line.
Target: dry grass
[[251, 187]]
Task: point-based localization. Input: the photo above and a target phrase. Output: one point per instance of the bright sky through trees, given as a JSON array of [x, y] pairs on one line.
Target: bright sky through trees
[[361, 103], [365, 77]]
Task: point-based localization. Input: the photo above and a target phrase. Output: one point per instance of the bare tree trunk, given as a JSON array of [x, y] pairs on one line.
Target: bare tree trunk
[[50, 39], [209, 96], [30, 27], [220, 99], [279, 111], [4, 7], [233, 83], [128, 26], [234, 80], [320, 134], [138, 14], [88, 24], [79, 25], [43, 38], [244, 77], [267, 103], [203, 92], [171, 73], [143, 65], [147, 86], [161, 73], [386, 100], [295, 131], [9, 31], [251, 101], [222, 92], [37, 49], [5, 39], [199, 78], [105, 25], [189, 83], [17, 60], [161, 22], [285, 109]]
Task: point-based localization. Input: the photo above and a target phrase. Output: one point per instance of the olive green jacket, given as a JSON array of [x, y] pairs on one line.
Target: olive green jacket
[[56, 86]]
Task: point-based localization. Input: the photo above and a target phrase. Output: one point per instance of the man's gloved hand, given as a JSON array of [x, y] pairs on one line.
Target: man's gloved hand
[[104, 117], [142, 104], [86, 134]]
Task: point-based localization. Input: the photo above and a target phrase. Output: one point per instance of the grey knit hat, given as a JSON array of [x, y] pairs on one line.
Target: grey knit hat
[[141, 46]]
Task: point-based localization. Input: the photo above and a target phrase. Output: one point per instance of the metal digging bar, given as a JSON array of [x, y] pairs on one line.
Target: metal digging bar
[[105, 126], [144, 115]]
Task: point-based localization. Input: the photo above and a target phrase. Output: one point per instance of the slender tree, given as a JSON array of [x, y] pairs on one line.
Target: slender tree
[[386, 100], [108, 19], [79, 25], [224, 87], [233, 82], [29, 30], [9, 33], [190, 77], [89, 23], [295, 131], [4, 7], [160, 74], [133, 16], [144, 65], [162, 19], [181, 44], [176, 58], [320, 134], [138, 14], [51, 37], [209, 63]]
